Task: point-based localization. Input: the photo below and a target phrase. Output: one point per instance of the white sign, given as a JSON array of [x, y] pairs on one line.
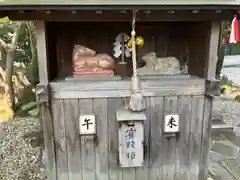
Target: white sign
[[171, 123], [87, 124], [131, 145]]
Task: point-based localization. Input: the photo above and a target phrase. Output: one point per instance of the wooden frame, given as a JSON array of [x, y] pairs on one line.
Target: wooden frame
[[123, 15], [46, 114], [211, 60], [70, 156], [93, 89]]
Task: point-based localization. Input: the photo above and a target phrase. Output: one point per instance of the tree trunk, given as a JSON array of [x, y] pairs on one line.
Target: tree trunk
[[9, 72], [11, 48], [32, 71]]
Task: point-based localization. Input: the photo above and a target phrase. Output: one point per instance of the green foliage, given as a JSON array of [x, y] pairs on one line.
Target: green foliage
[[23, 51], [225, 83], [27, 103], [26, 53]]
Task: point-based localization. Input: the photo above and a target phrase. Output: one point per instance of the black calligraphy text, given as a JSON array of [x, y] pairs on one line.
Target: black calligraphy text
[[131, 155], [131, 143], [130, 133], [171, 122], [87, 123]]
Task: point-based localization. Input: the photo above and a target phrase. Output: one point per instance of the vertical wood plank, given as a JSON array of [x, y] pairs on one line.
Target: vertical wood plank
[[182, 146], [87, 144], [142, 173], [49, 148], [156, 139], [101, 149], [41, 51], [73, 139], [169, 145], [47, 120], [60, 139], [211, 60], [195, 137], [115, 172], [206, 137]]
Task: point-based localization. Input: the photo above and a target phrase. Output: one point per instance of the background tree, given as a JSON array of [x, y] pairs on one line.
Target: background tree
[[18, 66]]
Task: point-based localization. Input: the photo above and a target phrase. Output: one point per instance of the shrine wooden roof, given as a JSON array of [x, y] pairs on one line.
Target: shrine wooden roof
[[162, 4], [51, 10]]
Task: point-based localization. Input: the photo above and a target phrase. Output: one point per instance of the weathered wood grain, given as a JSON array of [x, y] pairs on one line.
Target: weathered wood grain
[[183, 143], [206, 134], [104, 89], [211, 59], [46, 112], [156, 139], [73, 139], [115, 172], [174, 158], [60, 139], [169, 149], [142, 173], [101, 148], [88, 144], [195, 136], [40, 30], [48, 134]]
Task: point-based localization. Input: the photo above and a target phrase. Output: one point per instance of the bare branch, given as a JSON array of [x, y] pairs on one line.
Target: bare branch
[[15, 36]]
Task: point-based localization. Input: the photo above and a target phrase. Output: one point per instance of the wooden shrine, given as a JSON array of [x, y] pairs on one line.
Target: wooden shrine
[[85, 85]]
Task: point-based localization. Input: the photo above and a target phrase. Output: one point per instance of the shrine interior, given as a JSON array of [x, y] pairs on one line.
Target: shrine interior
[[187, 41]]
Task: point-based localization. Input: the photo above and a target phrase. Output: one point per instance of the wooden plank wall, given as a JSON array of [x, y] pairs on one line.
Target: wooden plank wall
[[86, 158]]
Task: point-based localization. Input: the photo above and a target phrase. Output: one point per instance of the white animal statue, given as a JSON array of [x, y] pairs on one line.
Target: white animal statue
[[163, 65]]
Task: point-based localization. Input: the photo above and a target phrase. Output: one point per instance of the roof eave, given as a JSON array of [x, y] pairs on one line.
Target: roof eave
[[118, 7]]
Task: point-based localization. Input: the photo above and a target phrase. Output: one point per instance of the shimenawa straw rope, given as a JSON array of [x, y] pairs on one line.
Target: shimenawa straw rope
[[137, 102]]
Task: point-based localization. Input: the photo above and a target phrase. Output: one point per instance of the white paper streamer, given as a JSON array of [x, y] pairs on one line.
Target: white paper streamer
[[118, 48]]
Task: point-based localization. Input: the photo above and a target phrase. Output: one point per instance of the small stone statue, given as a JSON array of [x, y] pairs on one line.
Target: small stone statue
[[87, 63], [155, 65]]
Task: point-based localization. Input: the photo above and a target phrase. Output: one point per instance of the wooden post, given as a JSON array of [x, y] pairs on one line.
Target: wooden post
[[212, 84], [46, 115], [41, 51], [211, 90], [211, 60]]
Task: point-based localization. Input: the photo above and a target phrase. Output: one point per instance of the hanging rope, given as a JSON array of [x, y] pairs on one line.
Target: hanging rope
[[134, 53], [137, 102]]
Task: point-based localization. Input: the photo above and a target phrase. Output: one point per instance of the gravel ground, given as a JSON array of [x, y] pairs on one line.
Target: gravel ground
[[19, 160]]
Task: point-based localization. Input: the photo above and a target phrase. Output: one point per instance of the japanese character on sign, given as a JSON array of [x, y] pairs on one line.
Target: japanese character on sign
[[130, 142], [131, 155], [87, 124], [171, 123], [130, 133]]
